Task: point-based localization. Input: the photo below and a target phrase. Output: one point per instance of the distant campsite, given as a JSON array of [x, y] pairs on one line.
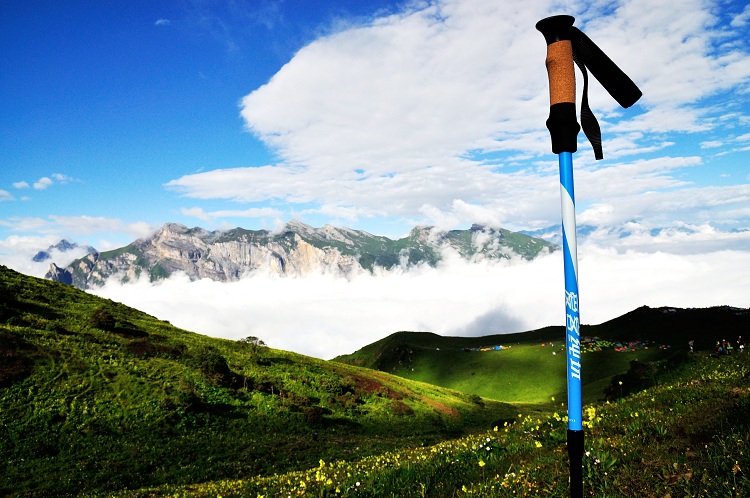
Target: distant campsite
[[588, 345]]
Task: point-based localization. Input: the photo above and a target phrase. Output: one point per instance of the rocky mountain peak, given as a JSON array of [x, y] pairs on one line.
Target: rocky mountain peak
[[62, 247], [300, 228]]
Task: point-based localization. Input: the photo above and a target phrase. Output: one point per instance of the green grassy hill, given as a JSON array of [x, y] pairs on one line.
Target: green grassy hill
[[97, 397], [530, 367], [686, 436]]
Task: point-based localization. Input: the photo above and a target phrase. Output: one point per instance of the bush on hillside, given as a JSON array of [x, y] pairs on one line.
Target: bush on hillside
[[254, 346], [639, 376], [15, 363], [103, 320], [213, 365]]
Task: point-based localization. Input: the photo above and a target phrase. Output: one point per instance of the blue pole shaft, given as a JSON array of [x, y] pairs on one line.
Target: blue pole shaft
[[572, 317], [572, 325]]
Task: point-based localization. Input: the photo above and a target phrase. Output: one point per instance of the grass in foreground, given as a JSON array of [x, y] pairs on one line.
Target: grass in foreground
[[96, 397], [686, 437]]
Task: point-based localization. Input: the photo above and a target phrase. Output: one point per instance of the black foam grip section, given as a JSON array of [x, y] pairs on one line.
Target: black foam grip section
[[563, 127], [555, 28]]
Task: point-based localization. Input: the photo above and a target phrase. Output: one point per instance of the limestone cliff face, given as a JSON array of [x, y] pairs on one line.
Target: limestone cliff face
[[298, 250]]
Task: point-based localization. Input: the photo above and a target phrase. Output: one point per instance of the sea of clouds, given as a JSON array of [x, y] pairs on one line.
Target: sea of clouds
[[324, 315]]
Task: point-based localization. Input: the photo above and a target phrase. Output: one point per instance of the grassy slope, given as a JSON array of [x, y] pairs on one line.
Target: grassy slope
[[525, 372], [88, 404], [140, 403], [688, 436], [528, 372]]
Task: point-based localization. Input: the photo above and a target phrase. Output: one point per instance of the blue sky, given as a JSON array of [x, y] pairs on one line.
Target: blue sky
[[109, 101], [117, 117]]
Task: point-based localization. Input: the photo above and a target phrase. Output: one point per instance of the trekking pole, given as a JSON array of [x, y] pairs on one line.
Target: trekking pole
[[566, 45]]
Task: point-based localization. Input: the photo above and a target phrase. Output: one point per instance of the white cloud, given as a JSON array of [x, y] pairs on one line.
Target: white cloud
[[700, 204], [45, 182], [456, 196], [212, 216], [85, 225], [678, 238], [60, 178], [6, 196], [679, 58], [17, 252], [324, 316], [435, 115], [421, 87], [466, 75], [162, 22], [742, 18], [80, 229], [42, 183]]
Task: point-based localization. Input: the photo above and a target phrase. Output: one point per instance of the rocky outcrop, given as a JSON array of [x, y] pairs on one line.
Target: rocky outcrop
[[62, 275], [297, 250]]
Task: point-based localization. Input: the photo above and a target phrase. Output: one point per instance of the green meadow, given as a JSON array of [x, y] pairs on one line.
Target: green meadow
[[520, 373], [687, 436], [529, 369]]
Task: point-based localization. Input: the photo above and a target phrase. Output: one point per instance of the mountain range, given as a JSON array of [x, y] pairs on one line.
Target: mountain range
[[296, 250]]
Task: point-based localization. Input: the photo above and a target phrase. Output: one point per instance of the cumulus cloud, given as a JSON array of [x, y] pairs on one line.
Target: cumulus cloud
[[42, 183], [46, 181], [434, 115], [213, 216], [324, 315], [61, 178], [86, 225], [742, 18], [18, 251], [678, 238]]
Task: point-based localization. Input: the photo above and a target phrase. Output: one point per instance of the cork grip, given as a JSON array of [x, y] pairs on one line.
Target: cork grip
[[562, 78], [562, 123]]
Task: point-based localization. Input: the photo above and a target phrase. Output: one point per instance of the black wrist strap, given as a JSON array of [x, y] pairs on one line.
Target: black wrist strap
[[589, 124], [587, 55]]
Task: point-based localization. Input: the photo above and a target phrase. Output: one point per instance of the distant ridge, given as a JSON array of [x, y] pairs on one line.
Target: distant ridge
[[451, 361], [297, 250], [665, 325]]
